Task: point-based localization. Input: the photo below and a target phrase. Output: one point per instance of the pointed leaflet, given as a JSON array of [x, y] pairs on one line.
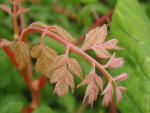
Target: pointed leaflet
[[91, 93], [86, 80], [99, 82], [21, 52], [119, 91], [70, 81], [21, 11], [121, 77], [36, 51], [57, 75], [118, 95], [63, 79], [64, 34], [108, 94], [94, 84], [4, 42], [44, 55], [92, 76], [114, 62], [102, 53], [74, 67], [6, 9], [61, 88], [58, 62], [111, 44], [95, 40], [124, 89], [101, 50], [94, 37]]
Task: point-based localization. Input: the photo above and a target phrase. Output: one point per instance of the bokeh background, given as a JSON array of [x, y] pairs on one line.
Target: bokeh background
[[76, 16]]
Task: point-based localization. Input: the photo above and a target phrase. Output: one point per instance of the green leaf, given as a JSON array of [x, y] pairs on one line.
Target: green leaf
[[68, 103], [43, 109], [11, 107], [131, 27], [86, 13]]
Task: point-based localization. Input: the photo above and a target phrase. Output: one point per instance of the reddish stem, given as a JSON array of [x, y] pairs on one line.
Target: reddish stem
[[11, 55], [102, 20], [27, 76], [22, 21], [98, 22], [66, 12], [112, 107], [15, 21], [71, 46], [42, 81]]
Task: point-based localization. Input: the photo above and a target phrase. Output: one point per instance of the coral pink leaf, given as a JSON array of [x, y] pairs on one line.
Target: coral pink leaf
[[91, 94], [102, 53], [102, 34], [6, 9], [94, 37], [114, 62], [107, 99], [63, 75], [45, 55], [112, 44], [108, 88], [4, 43], [22, 53], [99, 82], [74, 67], [121, 77], [58, 74], [108, 93], [61, 88], [64, 34], [118, 95], [22, 11], [124, 89], [56, 64], [70, 80], [86, 80]]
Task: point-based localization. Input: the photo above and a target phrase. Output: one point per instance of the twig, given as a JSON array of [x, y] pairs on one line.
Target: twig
[[112, 107], [103, 19], [22, 21], [26, 74], [98, 22], [66, 12], [15, 21], [72, 48]]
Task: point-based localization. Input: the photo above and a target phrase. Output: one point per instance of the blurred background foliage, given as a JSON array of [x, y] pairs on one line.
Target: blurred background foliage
[[76, 16]]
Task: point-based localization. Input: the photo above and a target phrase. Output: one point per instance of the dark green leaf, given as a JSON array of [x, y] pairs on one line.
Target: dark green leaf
[[11, 107]]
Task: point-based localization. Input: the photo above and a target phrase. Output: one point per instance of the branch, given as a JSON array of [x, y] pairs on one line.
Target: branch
[[66, 12], [72, 47], [15, 21], [26, 74], [102, 20], [113, 107], [22, 21], [11, 55], [98, 22]]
